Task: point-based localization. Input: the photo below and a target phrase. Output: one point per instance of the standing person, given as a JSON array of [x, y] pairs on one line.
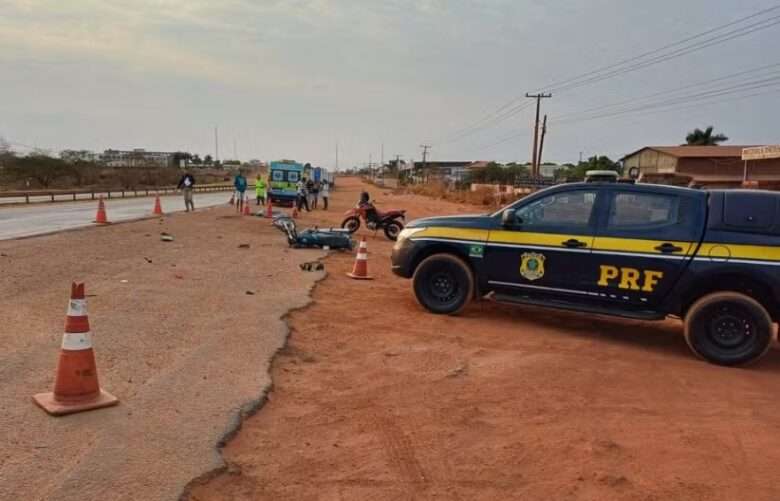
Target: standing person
[[303, 200], [324, 193], [186, 183], [240, 185], [315, 194], [260, 189], [310, 190]]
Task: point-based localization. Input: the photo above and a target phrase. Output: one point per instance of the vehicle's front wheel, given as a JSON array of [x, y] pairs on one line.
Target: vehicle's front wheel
[[352, 224], [728, 328], [443, 284]]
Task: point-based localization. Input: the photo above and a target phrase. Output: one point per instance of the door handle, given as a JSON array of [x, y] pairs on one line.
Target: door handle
[[573, 243], [667, 248]]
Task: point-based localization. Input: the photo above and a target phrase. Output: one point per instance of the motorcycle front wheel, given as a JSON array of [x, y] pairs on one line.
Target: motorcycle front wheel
[[393, 229], [352, 224]]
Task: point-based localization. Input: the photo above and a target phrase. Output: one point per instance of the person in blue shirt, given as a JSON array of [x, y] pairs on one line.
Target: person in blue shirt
[[240, 184]]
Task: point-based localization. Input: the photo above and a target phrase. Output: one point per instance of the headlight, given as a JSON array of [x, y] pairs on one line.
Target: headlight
[[408, 232]]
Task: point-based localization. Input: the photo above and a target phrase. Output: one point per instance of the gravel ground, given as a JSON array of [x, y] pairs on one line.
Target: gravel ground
[[375, 398], [177, 339]]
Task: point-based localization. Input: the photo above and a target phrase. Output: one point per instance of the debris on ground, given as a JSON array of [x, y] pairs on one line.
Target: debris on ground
[[460, 370], [147, 259], [243, 246], [250, 293], [312, 266], [166, 237]]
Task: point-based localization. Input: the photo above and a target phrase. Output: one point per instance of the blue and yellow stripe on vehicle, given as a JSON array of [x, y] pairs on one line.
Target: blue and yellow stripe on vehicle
[[708, 251]]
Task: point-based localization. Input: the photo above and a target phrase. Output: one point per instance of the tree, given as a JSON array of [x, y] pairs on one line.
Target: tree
[[208, 160], [698, 137], [42, 168], [196, 159], [596, 162]]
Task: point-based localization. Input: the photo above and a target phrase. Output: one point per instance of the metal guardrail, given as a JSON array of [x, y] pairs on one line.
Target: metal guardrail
[[39, 196]]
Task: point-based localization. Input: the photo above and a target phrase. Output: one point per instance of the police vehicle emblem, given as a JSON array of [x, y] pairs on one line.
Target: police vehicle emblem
[[532, 265]]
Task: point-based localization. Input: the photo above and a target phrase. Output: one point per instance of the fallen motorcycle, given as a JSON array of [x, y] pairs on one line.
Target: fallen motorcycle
[[389, 221], [333, 238]]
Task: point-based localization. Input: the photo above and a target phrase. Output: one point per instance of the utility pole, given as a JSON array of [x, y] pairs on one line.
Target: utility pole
[[580, 157], [541, 145], [337, 156], [538, 97], [425, 148], [235, 154], [216, 143], [383, 155]]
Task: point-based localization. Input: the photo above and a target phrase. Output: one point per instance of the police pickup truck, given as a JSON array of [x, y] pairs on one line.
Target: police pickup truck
[[639, 251]]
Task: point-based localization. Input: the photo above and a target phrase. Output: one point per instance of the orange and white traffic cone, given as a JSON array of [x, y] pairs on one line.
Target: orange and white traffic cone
[[247, 212], [157, 207], [295, 211], [76, 386], [100, 217], [269, 209], [360, 270]]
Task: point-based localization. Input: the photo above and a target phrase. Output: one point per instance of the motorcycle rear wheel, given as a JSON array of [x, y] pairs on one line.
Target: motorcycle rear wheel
[[393, 229]]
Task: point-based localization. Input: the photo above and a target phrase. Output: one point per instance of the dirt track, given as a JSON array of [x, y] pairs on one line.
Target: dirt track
[[375, 399], [177, 339]]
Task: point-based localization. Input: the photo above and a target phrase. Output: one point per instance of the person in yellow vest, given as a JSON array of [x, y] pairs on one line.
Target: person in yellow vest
[[260, 189]]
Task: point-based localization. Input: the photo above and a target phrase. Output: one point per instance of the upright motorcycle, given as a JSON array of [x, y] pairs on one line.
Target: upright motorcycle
[[389, 221]]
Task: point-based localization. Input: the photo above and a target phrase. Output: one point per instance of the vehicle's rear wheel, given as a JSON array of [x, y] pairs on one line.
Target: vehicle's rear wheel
[[443, 284], [393, 229], [728, 328]]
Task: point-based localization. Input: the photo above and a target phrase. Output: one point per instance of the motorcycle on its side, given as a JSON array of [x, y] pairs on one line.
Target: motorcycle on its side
[[390, 221]]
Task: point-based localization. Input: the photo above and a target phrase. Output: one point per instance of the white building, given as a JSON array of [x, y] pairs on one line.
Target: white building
[[137, 157], [73, 156]]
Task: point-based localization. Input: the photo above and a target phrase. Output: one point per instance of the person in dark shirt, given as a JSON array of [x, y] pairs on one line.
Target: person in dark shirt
[[186, 184]]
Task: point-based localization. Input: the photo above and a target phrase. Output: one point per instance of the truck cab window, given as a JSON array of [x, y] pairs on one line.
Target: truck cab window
[[643, 210], [570, 208]]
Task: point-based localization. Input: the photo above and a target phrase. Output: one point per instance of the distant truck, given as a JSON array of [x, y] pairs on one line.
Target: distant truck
[[284, 176], [642, 251]]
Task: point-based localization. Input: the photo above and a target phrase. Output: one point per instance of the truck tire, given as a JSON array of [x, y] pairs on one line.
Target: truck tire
[[728, 328], [443, 284]]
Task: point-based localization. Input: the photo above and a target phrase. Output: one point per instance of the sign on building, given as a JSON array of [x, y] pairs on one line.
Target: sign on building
[[761, 152]]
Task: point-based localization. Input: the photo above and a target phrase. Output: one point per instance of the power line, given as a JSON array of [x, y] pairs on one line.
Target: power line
[[755, 84], [673, 55], [627, 65], [559, 84], [699, 84]]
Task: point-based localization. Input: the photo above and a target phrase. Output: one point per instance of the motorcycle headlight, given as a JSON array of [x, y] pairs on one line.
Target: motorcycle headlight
[[408, 232]]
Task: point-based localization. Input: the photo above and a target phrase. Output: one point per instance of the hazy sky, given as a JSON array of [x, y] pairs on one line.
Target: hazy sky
[[289, 79]]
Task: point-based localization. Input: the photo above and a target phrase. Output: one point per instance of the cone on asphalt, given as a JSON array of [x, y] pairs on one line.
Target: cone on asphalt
[[232, 199], [246, 212], [360, 270], [100, 217], [295, 211], [157, 207], [76, 386], [269, 209]]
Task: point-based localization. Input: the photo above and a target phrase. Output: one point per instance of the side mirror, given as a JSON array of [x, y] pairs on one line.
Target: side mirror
[[508, 217]]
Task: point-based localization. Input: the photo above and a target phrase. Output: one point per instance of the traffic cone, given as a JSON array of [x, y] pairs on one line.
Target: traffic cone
[[360, 270], [246, 212], [232, 198], [269, 209], [295, 211], [76, 386], [157, 207], [101, 218]]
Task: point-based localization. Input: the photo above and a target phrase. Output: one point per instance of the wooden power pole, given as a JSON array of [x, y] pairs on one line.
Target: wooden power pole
[[538, 97], [541, 146]]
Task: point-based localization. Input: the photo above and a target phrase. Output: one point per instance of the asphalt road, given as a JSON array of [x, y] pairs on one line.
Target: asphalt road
[[35, 219]]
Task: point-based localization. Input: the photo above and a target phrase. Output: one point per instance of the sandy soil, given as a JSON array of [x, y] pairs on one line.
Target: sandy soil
[[374, 398], [177, 339]]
